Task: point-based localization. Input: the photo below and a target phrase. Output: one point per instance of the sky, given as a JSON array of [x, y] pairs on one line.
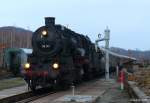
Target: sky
[[128, 20]]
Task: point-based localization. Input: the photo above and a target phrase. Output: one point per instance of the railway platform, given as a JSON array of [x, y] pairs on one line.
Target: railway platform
[[13, 91], [12, 86], [99, 91]]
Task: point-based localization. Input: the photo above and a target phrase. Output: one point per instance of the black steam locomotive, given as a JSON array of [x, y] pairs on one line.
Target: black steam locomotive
[[61, 57]]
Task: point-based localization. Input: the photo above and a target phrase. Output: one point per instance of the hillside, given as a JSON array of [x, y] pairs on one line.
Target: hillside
[[15, 37]]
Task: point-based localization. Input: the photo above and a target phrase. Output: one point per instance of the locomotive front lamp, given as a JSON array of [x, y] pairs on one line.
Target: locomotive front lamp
[[27, 66], [44, 32], [55, 65]]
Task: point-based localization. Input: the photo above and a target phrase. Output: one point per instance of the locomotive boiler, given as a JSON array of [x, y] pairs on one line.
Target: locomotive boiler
[[60, 57]]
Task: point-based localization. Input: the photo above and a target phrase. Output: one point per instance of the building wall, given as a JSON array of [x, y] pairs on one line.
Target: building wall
[[12, 37]]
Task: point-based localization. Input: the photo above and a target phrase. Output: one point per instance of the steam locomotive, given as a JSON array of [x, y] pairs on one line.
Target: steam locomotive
[[61, 57]]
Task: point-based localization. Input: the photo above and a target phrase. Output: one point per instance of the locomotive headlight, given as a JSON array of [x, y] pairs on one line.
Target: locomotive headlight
[[55, 65], [27, 66], [44, 32]]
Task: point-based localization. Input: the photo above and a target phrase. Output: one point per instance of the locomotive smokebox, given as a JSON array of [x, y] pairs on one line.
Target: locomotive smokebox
[[49, 21]]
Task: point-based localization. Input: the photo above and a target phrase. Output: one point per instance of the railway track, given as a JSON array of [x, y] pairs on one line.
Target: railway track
[[28, 96], [27, 100]]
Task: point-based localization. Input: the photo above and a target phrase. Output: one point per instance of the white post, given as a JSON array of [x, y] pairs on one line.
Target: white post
[[117, 70], [122, 86], [73, 90], [107, 32]]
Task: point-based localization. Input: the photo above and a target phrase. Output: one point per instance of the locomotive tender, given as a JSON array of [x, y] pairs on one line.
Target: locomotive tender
[[60, 57]]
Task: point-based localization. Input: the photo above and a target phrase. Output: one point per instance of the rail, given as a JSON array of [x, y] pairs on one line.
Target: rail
[[27, 96]]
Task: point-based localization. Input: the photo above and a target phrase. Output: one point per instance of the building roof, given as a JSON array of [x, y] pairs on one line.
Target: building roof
[[27, 51], [117, 55]]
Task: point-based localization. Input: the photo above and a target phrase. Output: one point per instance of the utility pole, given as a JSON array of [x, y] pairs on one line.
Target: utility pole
[[106, 39]]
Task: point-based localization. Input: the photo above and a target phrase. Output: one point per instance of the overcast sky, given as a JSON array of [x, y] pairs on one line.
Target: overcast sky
[[128, 20]]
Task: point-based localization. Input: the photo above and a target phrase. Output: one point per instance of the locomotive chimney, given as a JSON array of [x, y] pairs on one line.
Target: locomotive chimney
[[49, 21]]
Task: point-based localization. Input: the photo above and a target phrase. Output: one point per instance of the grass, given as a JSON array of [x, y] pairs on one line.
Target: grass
[[10, 83]]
